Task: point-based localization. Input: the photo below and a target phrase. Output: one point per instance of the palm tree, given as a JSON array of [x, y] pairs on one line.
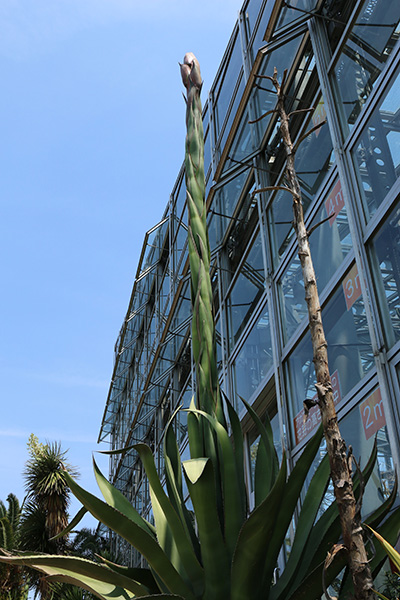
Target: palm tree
[[12, 582], [46, 510]]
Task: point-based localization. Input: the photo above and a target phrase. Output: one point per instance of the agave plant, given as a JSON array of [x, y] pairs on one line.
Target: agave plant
[[218, 550]]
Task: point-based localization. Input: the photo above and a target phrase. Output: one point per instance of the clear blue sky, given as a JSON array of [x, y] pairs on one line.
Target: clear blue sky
[[91, 141]]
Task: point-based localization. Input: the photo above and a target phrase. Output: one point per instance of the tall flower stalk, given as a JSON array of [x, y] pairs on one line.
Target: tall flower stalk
[[203, 327]]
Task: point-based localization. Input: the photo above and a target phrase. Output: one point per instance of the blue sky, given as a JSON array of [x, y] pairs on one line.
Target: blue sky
[[91, 140]]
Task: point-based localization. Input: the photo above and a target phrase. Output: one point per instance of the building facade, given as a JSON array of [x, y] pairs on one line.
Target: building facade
[[343, 65]]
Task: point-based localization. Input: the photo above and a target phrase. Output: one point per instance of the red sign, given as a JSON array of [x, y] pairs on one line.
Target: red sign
[[335, 202], [303, 427], [351, 287], [372, 413]]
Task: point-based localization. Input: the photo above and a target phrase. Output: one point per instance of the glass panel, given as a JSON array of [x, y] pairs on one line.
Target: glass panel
[[245, 142], [264, 97], [251, 13], [359, 429], [364, 56], [329, 244], [254, 360], [183, 309], [223, 206], [291, 14], [228, 84], [232, 114], [258, 40], [314, 159], [385, 257], [246, 292], [377, 154], [181, 417], [349, 346]]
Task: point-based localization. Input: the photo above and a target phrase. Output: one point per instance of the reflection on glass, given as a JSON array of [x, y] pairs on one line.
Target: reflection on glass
[[207, 151], [274, 420], [264, 97], [385, 256], [254, 360], [291, 14], [223, 207], [244, 143], [349, 345], [364, 56], [224, 91], [258, 40], [314, 159], [330, 243], [180, 421], [377, 153], [232, 114], [246, 292], [380, 484]]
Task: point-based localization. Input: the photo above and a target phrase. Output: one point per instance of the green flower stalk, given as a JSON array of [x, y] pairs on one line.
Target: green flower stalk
[[203, 324]]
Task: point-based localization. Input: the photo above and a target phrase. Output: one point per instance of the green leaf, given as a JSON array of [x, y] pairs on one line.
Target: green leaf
[[117, 500], [267, 465], [143, 576], [173, 476], [309, 509], [233, 506], [390, 551], [86, 573], [201, 484], [256, 533], [239, 452], [117, 451], [171, 531], [136, 536]]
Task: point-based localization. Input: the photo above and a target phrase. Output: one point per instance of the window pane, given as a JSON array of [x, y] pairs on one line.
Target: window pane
[[254, 361], [386, 262], [377, 154], [364, 56], [246, 292], [291, 14], [228, 83], [329, 244], [314, 159], [349, 346]]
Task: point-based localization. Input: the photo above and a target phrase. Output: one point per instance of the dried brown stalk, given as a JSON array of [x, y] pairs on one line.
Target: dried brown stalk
[[340, 472]]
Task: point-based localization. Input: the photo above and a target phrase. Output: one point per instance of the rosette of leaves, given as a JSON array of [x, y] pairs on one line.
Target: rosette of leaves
[[219, 550]]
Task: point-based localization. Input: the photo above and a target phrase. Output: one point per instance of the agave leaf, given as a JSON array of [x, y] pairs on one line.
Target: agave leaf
[[143, 576], [311, 586], [388, 548], [77, 519], [380, 513], [389, 531], [195, 433], [309, 509], [255, 535], [233, 507], [267, 465], [117, 500], [201, 484], [103, 581], [171, 531], [239, 452], [136, 536], [173, 475]]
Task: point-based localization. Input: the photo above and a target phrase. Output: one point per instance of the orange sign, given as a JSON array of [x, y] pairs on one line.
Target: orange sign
[[372, 413], [351, 287], [301, 427], [335, 202]]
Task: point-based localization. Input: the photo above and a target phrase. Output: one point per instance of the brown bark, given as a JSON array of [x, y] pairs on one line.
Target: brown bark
[[339, 463]]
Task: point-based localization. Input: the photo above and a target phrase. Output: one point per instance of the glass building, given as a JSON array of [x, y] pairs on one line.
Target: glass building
[[343, 63]]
